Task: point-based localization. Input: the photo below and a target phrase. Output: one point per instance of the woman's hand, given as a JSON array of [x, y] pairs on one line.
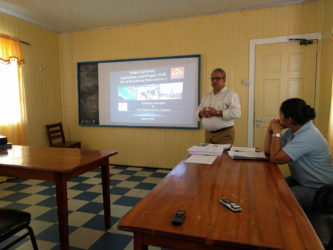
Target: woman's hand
[[275, 126]]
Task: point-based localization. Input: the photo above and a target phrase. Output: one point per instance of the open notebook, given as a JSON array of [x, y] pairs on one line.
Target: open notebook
[[239, 155]]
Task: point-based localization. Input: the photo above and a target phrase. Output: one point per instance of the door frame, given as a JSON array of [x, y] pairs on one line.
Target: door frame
[[253, 44]]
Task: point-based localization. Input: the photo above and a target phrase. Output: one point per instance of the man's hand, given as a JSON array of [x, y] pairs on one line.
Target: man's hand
[[208, 112]]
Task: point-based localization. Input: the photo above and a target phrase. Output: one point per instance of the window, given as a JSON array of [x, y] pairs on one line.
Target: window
[[12, 124], [10, 111]]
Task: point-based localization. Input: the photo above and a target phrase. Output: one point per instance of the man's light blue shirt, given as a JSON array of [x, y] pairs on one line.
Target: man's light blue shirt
[[311, 163]]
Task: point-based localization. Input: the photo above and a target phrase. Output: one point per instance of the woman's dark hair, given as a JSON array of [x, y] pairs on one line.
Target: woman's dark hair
[[298, 110]]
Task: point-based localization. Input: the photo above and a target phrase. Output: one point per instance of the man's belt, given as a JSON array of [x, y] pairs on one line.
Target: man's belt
[[221, 129]]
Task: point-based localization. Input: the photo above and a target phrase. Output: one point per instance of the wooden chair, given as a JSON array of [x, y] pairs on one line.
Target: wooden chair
[[56, 137], [321, 215], [13, 221]]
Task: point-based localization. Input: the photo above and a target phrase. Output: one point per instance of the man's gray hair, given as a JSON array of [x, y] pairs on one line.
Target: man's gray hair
[[222, 72]]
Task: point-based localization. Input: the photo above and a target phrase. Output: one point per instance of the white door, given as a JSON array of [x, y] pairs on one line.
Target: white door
[[282, 71]]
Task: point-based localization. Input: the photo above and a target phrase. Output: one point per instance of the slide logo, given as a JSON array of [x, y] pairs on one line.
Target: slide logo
[[177, 73]]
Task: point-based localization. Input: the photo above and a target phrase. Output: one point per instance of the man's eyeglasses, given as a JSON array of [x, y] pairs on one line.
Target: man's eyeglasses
[[216, 78]]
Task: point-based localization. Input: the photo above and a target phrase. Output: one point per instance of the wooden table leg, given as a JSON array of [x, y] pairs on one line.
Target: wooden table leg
[[62, 204], [138, 242], [106, 194]]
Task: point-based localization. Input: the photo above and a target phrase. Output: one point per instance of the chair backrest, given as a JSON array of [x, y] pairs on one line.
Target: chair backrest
[[330, 243], [323, 199], [13, 221], [55, 133], [321, 215]]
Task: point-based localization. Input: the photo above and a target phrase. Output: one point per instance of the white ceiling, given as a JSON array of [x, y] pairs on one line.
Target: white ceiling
[[77, 15]]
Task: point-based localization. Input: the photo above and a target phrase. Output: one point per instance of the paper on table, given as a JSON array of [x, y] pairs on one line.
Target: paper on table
[[203, 159]]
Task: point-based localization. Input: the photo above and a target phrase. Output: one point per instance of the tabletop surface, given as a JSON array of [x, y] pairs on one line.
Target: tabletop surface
[[271, 216], [49, 158]]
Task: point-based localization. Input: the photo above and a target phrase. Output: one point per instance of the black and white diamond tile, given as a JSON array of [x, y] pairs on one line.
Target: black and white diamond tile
[[128, 185]]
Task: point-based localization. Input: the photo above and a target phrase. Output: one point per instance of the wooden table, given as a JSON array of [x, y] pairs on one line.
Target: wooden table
[[271, 217], [59, 165]]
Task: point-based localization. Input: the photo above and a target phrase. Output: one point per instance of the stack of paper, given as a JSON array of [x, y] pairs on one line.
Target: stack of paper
[[210, 149]]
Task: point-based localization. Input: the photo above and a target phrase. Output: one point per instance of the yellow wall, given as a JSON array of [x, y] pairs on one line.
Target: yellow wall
[[222, 40], [42, 87], [325, 87]]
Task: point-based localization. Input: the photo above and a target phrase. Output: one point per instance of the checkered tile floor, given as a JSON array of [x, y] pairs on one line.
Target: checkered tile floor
[[85, 204]]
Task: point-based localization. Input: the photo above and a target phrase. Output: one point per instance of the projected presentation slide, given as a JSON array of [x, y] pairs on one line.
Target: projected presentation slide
[[153, 92]]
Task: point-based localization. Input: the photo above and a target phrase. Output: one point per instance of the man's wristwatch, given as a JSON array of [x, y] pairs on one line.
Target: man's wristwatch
[[276, 135]]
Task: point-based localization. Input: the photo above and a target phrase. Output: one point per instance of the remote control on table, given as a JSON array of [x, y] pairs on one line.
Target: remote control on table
[[178, 218]]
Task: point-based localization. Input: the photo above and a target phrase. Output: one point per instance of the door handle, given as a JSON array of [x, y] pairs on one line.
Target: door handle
[[258, 121]]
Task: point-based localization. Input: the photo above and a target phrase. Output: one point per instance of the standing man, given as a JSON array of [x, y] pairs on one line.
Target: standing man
[[218, 109]]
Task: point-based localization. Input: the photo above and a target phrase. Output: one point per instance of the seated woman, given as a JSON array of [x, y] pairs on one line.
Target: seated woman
[[303, 147]]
